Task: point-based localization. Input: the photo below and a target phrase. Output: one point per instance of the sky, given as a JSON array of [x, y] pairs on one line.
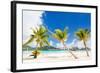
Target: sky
[[56, 20]]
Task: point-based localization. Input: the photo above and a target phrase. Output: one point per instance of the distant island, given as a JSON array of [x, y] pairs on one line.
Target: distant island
[[47, 48]]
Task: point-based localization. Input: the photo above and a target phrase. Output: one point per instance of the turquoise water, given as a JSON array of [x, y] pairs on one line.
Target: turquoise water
[[56, 51], [46, 51], [50, 51]]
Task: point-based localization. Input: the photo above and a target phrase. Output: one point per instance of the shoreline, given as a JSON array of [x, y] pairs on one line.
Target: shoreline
[[57, 57]]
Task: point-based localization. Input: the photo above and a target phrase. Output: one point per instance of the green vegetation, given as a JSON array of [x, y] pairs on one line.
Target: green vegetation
[[40, 36], [61, 36], [83, 35], [27, 48], [51, 48]]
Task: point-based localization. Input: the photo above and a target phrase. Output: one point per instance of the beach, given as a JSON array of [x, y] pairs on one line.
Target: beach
[[55, 57]]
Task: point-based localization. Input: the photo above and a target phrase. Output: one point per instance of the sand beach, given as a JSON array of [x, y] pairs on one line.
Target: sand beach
[[55, 57]]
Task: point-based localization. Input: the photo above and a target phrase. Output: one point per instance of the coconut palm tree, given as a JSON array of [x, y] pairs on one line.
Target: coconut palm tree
[[62, 36], [40, 36], [83, 35]]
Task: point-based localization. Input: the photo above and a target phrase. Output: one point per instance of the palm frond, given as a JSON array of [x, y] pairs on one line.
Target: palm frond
[[46, 42], [40, 36], [56, 36], [65, 32], [78, 35], [29, 41], [82, 34], [59, 33], [45, 36]]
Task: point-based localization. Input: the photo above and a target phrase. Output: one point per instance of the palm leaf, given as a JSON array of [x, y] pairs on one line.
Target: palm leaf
[[56, 36], [40, 36], [29, 41], [42, 30], [65, 32], [46, 42], [78, 35], [82, 34], [59, 33]]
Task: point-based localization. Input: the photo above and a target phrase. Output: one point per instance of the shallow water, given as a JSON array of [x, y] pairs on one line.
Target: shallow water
[[53, 51], [49, 51], [45, 52]]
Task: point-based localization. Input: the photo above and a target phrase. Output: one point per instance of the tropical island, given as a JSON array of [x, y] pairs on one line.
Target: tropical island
[[38, 47], [47, 48]]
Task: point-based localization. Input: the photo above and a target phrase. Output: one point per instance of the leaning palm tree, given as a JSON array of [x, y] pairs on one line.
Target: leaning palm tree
[[40, 36], [83, 35], [62, 36]]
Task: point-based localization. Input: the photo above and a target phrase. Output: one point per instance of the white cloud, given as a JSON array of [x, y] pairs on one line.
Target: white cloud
[[51, 42], [79, 44], [33, 44], [60, 45], [31, 19], [69, 45], [89, 43]]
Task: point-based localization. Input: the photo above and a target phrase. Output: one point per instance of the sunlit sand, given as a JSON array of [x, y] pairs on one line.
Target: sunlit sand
[[56, 57]]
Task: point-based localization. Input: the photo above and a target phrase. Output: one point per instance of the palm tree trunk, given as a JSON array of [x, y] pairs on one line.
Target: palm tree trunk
[[35, 55], [70, 52], [86, 48]]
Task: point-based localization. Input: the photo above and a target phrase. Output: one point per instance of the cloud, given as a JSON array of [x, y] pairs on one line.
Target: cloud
[[72, 43], [89, 43], [33, 44], [59, 45], [51, 42], [31, 19], [79, 44]]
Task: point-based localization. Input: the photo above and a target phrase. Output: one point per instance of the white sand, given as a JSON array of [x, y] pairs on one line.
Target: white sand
[[56, 57]]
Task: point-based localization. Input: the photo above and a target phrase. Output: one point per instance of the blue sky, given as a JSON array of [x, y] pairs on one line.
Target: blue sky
[[56, 20], [72, 20]]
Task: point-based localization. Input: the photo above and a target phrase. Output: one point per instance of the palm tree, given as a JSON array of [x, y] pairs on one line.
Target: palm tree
[[83, 35], [40, 36], [62, 36]]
